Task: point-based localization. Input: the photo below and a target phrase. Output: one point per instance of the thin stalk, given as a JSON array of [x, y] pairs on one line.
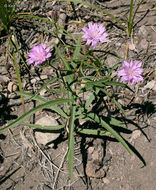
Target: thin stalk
[[137, 10], [16, 45], [97, 8], [130, 23], [17, 72]]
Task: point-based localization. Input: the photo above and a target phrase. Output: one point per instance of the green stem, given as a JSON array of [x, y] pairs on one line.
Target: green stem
[[17, 71], [130, 23], [97, 8]]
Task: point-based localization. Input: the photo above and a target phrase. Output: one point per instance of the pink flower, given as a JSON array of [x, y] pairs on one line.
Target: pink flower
[[131, 72], [39, 54], [94, 33]]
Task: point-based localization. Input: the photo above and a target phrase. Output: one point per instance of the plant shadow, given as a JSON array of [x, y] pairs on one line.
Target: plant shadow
[[5, 110], [145, 109]]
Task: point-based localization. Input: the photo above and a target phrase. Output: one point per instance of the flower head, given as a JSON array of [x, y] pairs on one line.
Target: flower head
[[94, 33], [131, 72], [39, 54]]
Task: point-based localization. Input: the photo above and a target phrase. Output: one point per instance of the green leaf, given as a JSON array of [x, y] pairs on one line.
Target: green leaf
[[130, 24], [45, 29], [93, 132], [89, 85], [96, 118], [42, 100], [115, 122], [71, 142], [32, 111], [47, 128], [76, 52], [114, 83]]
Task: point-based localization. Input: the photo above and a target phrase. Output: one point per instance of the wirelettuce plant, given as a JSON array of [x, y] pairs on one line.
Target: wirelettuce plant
[[73, 82]]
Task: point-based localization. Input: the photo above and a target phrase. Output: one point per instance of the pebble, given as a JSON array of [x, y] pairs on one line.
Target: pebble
[[33, 80], [106, 181], [12, 96], [12, 87], [4, 79], [3, 70], [150, 85], [43, 77], [46, 137], [82, 121], [43, 92], [135, 135], [132, 46]]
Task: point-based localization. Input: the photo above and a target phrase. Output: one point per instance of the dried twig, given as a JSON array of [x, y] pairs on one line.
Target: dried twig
[[57, 174]]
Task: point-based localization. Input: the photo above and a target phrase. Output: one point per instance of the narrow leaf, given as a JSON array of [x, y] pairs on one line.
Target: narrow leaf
[[42, 100], [32, 111], [93, 132], [71, 142], [49, 128], [96, 118]]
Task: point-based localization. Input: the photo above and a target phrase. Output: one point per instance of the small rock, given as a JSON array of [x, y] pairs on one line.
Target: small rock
[[43, 92], [135, 134], [131, 46], [150, 85], [46, 137], [106, 181], [12, 96], [3, 70], [12, 87], [24, 82], [43, 77], [4, 79], [82, 121], [33, 80]]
